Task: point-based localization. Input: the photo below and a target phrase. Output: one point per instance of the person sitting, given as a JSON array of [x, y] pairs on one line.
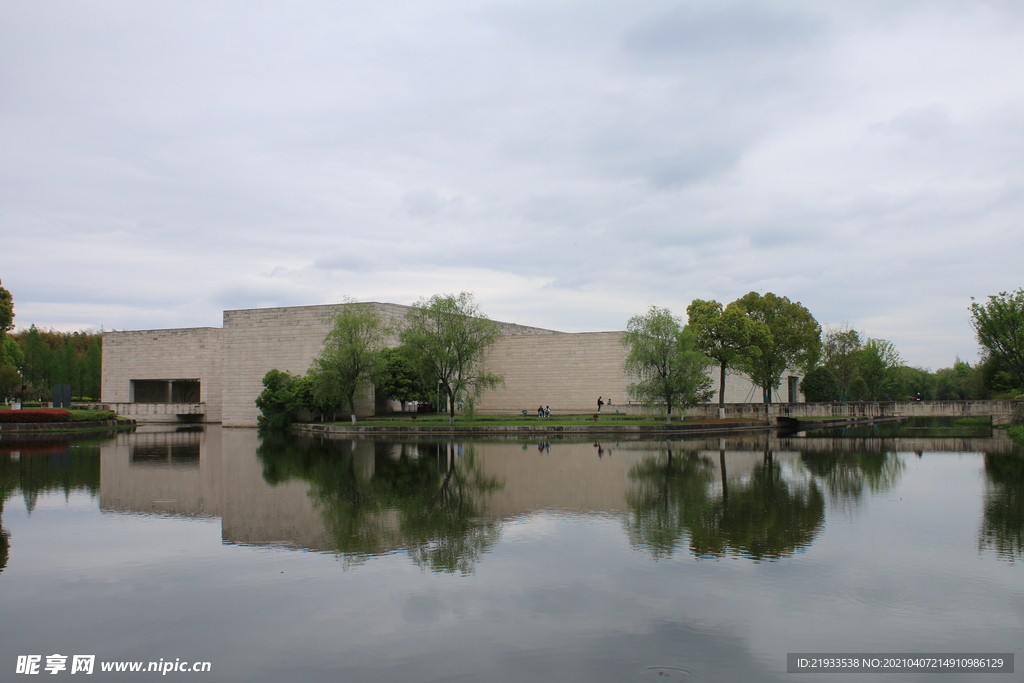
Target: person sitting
[[540, 411], [547, 411]]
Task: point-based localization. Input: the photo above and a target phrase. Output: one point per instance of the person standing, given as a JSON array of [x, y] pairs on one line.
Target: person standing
[[599, 404]]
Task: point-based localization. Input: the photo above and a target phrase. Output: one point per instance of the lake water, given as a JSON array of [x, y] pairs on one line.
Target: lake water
[[302, 559]]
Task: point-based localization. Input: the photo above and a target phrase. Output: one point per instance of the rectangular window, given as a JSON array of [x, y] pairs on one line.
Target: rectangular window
[[166, 391]]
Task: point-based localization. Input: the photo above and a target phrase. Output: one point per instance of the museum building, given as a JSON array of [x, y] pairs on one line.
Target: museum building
[[214, 374]]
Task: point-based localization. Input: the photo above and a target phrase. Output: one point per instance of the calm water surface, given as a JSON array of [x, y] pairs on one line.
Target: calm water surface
[[308, 560]]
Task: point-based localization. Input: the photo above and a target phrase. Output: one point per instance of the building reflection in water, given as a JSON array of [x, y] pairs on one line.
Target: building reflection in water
[[444, 503]]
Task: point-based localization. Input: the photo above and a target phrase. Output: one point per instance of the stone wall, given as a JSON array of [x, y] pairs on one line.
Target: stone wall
[[191, 353], [289, 339], [565, 371], [739, 389]]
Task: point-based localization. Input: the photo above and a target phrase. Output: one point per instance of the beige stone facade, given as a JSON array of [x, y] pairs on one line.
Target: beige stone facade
[[566, 371], [168, 355]]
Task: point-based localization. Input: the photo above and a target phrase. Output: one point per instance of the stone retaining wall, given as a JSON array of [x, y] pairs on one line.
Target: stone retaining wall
[[60, 426]]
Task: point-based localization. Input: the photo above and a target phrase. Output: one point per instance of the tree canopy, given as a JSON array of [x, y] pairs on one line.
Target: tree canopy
[[723, 334], [400, 379], [664, 359], [447, 336], [820, 385], [877, 367], [999, 324], [794, 339], [6, 311], [278, 401], [840, 347]]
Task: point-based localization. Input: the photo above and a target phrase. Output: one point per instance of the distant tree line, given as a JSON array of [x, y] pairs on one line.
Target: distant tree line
[[33, 360], [856, 368], [48, 357]]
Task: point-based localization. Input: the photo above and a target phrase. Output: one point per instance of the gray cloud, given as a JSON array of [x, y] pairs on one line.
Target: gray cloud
[[700, 30]]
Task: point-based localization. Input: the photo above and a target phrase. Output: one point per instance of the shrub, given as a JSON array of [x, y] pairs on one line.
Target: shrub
[[35, 415], [277, 402], [820, 385]]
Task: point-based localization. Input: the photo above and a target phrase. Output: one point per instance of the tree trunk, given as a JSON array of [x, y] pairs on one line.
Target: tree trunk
[[721, 392]]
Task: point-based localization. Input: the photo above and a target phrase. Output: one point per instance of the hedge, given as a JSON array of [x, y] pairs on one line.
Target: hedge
[[35, 415], [92, 415]]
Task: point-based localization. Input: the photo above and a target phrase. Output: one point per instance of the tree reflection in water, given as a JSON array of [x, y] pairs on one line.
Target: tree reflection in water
[[762, 516], [376, 498], [40, 466], [668, 496], [1002, 522], [849, 475]]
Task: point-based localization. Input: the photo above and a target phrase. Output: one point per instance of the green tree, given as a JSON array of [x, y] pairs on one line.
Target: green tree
[[820, 385], [92, 369], [876, 367], [278, 401], [664, 359], [794, 340], [447, 336], [909, 382], [10, 380], [723, 334], [997, 377], [399, 379], [349, 358], [34, 349], [6, 312], [960, 383], [839, 349], [999, 325], [11, 353], [67, 365]]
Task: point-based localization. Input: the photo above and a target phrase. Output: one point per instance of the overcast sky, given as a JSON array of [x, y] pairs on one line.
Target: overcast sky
[[571, 163]]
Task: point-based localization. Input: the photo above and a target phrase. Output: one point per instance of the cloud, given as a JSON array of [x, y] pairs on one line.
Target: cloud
[[691, 30], [572, 163]]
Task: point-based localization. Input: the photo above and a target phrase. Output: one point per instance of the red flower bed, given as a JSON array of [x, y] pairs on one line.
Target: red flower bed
[[35, 415]]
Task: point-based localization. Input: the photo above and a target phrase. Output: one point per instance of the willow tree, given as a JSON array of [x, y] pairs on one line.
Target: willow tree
[[448, 335], [349, 358], [664, 359], [724, 334], [794, 339]]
